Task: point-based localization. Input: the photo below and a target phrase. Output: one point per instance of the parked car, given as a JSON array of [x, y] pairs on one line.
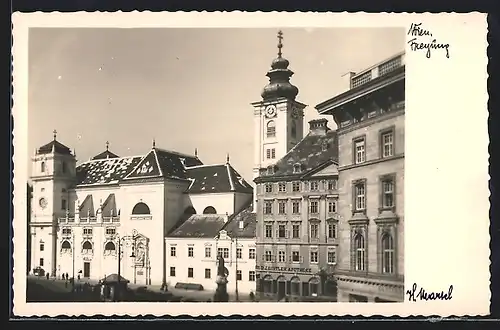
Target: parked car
[[38, 271]]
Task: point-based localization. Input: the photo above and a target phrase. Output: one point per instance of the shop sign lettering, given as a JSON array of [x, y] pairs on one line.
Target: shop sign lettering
[[284, 269]]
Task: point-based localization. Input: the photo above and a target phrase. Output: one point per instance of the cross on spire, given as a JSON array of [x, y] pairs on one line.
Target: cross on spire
[[55, 134], [107, 145], [280, 44], [154, 143]]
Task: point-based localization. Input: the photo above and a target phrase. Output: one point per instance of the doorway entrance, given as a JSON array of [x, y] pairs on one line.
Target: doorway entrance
[[86, 269], [281, 289]]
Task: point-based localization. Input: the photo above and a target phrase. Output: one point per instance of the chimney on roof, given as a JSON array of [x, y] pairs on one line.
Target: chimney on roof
[[347, 81], [318, 126]]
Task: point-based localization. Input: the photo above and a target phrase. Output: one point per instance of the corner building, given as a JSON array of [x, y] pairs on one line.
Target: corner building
[[296, 194], [371, 123]]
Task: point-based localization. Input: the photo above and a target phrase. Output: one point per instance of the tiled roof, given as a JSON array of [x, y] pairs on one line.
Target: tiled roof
[[87, 207], [216, 179], [56, 146], [200, 225], [313, 151], [249, 219], [105, 155], [105, 171]]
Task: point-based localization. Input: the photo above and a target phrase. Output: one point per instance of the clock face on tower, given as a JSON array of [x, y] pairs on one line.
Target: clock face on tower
[[42, 202], [270, 111]]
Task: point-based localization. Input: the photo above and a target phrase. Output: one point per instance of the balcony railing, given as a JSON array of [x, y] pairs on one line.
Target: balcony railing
[[378, 70]]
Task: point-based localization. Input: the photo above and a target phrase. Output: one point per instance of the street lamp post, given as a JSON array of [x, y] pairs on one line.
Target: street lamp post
[[240, 227], [73, 259]]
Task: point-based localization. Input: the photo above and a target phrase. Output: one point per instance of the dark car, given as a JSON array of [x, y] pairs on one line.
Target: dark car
[[38, 271]]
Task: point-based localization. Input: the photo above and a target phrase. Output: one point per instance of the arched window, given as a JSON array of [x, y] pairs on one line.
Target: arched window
[[267, 284], [359, 244], [87, 246], [314, 286], [42, 167], [209, 210], [141, 208], [66, 245], [189, 210], [271, 128], [110, 246], [295, 286], [293, 130], [387, 254]]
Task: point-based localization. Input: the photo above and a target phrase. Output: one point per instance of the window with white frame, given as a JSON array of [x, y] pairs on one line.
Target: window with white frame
[[387, 193], [271, 128], [332, 184], [87, 231], [295, 186], [268, 153], [296, 230], [224, 252], [387, 254], [360, 197], [282, 187], [238, 275], [269, 187], [296, 206], [66, 231], [332, 230], [42, 246], [313, 207], [173, 251], [208, 252], [269, 230], [359, 149], [273, 153], [314, 256], [313, 186], [297, 168], [281, 256], [314, 230], [172, 271], [359, 257], [281, 230], [282, 207], [269, 256], [251, 253], [295, 256], [190, 251], [251, 275], [110, 230], [239, 253], [332, 206], [268, 207], [331, 256], [190, 272], [387, 144], [208, 273]]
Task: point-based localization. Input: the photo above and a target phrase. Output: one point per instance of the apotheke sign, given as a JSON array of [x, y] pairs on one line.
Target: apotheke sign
[[284, 269]]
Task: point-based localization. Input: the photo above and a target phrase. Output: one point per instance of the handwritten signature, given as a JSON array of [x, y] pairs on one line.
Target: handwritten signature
[[416, 43], [424, 295]]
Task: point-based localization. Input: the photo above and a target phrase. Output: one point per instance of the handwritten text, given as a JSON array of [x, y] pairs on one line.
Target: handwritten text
[[414, 293], [423, 40]]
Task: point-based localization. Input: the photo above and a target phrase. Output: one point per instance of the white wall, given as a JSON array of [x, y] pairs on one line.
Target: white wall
[[223, 202]]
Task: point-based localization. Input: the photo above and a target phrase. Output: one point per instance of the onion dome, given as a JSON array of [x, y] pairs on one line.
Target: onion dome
[[279, 77]]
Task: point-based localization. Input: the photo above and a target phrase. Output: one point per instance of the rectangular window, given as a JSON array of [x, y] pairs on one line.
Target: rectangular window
[[331, 257], [42, 246], [313, 186], [282, 187], [296, 231], [282, 207], [387, 144], [41, 262], [359, 149], [269, 256], [269, 230], [238, 275], [281, 256], [224, 252], [87, 231], [296, 186], [239, 253], [268, 153], [273, 153], [313, 207], [268, 207], [332, 230], [269, 187], [172, 271], [251, 253], [387, 193], [190, 251], [332, 206], [251, 275], [360, 200], [190, 272], [314, 257], [67, 231], [173, 251], [208, 273], [64, 204], [208, 252], [314, 230], [281, 231], [110, 231], [296, 207], [332, 184], [295, 256]]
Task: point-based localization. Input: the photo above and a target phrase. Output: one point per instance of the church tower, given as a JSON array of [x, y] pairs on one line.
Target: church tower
[[53, 175], [278, 117]]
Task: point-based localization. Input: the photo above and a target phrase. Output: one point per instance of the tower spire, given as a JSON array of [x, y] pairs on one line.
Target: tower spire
[[55, 134], [280, 44], [107, 145], [154, 143], [227, 158], [196, 152]]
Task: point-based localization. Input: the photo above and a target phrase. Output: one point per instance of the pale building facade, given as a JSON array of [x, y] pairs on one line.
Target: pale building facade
[[370, 119], [193, 248], [83, 216]]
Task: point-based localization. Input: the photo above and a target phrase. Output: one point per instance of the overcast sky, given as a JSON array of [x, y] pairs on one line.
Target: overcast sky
[[186, 88]]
